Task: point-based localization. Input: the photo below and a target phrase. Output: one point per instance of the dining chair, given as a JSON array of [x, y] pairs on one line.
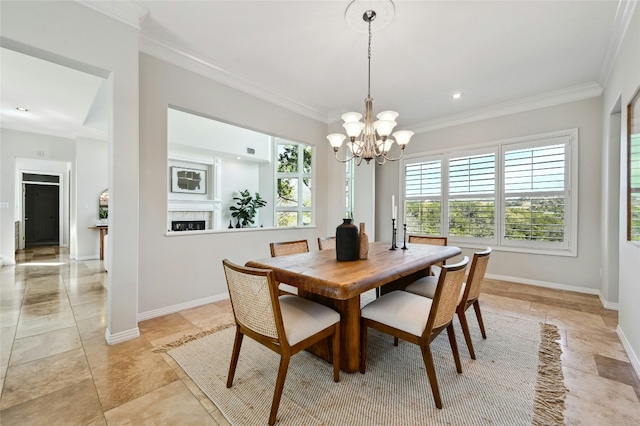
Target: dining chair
[[284, 248], [325, 243], [417, 319], [285, 324], [469, 294], [433, 240]]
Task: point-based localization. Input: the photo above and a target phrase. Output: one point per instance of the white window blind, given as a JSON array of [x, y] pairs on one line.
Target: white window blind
[[535, 196], [423, 193], [471, 206]]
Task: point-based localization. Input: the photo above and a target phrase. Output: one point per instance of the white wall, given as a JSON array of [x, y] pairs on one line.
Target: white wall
[[623, 83], [91, 178], [581, 272], [70, 34], [20, 151], [180, 269]]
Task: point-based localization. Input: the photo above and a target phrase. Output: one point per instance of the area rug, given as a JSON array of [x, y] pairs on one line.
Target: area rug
[[515, 380]]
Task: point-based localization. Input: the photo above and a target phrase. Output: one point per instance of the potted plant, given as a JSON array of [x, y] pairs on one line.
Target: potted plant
[[103, 214], [246, 208]]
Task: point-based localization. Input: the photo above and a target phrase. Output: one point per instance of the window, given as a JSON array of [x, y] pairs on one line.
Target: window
[[423, 197], [471, 198], [293, 183], [516, 194], [349, 182], [633, 169]]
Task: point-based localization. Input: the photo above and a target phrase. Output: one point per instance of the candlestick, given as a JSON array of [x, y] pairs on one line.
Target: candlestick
[[393, 234], [404, 238], [393, 207]]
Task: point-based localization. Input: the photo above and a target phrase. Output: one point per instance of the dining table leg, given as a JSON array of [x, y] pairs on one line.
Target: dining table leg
[[349, 311]]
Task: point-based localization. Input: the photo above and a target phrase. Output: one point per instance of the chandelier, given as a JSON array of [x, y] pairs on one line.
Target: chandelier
[[369, 140]]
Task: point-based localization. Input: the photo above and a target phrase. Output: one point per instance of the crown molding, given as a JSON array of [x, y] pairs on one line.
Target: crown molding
[[624, 13], [192, 63], [558, 97], [126, 11]]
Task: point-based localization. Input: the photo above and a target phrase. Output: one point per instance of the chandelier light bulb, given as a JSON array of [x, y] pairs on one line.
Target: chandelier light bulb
[[351, 117], [353, 128], [387, 115], [336, 139], [384, 127], [403, 137]]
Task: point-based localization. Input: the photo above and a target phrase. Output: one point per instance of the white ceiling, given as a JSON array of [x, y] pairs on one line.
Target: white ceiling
[[302, 55]]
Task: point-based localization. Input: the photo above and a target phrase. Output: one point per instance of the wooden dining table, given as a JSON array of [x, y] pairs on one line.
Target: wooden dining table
[[320, 277]]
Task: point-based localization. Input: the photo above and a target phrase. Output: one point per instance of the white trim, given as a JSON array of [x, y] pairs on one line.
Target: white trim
[[546, 284], [545, 100], [128, 12], [123, 336], [620, 25], [608, 305], [635, 363], [143, 316], [207, 69], [8, 261], [91, 257]]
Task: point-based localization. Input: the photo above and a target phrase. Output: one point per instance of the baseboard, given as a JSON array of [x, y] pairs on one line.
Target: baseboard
[[7, 261], [547, 284], [123, 336], [635, 363], [93, 257], [142, 316], [608, 305]]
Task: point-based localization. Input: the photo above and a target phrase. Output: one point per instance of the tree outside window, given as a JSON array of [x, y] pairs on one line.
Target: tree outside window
[[293, 184]]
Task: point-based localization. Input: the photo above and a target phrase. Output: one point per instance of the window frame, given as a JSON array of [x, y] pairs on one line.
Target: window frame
[[567, 248], [300, 209], [633, 103]]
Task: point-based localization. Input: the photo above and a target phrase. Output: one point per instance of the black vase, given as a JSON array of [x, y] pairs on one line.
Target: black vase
[[347, 247]]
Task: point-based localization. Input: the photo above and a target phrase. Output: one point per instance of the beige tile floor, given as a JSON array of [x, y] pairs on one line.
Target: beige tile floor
[[55, 367]]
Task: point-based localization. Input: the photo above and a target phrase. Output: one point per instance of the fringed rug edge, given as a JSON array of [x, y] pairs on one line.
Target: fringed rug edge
[[190, 338], [550, 390]]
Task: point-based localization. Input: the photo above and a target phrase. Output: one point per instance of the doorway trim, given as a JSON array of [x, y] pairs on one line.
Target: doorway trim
[[61, 188]]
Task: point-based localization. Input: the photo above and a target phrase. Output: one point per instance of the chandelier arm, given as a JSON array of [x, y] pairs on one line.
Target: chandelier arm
[[394, 158], [346, 160]]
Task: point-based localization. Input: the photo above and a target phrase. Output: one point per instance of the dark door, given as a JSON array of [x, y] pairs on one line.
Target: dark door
[[41, 214]]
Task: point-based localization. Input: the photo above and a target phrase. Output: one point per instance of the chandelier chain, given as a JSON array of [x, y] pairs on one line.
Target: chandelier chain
[[369, 73]]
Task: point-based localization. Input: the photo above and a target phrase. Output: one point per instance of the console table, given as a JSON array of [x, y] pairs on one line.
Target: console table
[[104, 230]]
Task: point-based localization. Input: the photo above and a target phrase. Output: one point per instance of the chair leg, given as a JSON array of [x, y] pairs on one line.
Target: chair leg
[[465, 330], [336, 353], [431, 373], [237, 343], [277, 393], [363, 347], [476, 307], [454, 346], [395, 341]]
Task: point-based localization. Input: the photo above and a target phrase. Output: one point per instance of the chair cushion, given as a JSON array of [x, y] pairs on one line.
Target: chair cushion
[[303, 318], [426, 287], [435, 270], [288, 288], [399, 309]]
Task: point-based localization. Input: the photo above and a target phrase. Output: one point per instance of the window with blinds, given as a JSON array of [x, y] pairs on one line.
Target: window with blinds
[[633, 169], [423, 193], [515, 194], [534, 193], [472, 196]]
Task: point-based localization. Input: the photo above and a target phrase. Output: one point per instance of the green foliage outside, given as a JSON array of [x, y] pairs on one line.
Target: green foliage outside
[[526, 218], [288, 191]]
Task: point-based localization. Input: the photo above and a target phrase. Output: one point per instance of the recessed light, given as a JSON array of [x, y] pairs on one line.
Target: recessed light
[[23, 109], [457, 95]]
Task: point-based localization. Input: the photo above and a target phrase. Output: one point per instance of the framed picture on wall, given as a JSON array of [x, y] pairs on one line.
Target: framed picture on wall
[[192, 181]]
